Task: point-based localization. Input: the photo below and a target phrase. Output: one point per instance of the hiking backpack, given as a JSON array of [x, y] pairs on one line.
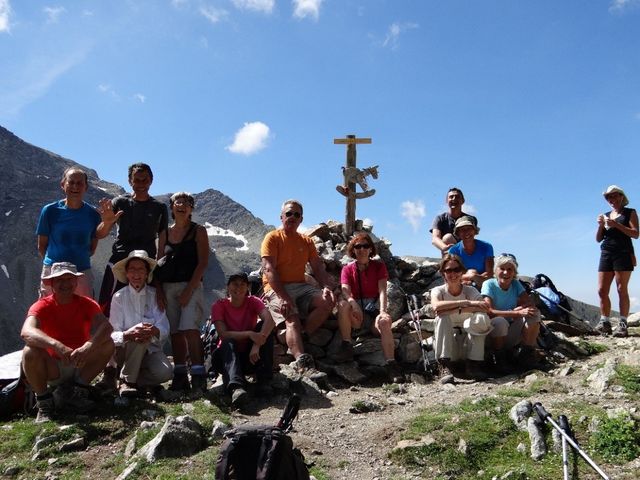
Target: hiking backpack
[[555, 298], [209, 336], [262, 452], [16, 395]]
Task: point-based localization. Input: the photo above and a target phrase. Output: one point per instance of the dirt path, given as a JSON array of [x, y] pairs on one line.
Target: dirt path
[[347, 445]]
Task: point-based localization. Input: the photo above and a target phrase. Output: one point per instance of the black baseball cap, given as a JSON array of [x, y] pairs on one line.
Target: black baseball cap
[[238, 276]]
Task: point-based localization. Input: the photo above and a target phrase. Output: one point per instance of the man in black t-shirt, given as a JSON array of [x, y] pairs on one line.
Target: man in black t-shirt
[[443, 226], [140, 218]]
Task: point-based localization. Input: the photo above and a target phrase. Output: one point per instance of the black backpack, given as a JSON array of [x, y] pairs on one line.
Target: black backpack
[[262, 452]]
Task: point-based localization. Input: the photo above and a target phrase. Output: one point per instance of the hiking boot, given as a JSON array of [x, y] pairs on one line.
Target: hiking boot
[[394, 372], [180, 382], [128, 390], [621, 330], [239, 398], [108, 385], [199, 383], [78, 400], [499, 362], [344, 353], [303, 362], [46, 408], [446, 375], [473, 369], [604, 328]]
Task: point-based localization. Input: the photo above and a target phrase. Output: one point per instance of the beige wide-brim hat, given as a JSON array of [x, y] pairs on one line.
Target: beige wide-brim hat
[[616, 189], [59, 269], [478, 324], [463, 222], [120, 269]]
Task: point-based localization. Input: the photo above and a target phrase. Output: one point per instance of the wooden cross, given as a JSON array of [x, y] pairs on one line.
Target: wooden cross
[[352, 174]]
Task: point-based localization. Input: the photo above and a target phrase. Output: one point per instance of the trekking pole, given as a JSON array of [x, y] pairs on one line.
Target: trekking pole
[[412, 304], [544, 416], [564, 424], [289, 413], [558, 305]]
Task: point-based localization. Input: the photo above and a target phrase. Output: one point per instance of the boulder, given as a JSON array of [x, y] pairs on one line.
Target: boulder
[[179, 437]]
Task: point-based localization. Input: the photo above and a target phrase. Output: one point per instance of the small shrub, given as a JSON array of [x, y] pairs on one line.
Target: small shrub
[[592, 348], [617, 439], [628, 377]]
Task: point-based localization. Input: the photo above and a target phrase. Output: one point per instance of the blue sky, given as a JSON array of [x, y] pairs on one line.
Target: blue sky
[[532, 108]]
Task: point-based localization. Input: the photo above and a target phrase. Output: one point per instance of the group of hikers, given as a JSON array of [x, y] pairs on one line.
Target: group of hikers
[[152, 290]]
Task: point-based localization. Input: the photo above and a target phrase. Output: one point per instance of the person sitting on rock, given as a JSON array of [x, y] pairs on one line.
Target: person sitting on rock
[[291, 301], [245, 327], [140, 328], [442, 229], [67, 231], [459, 308], [60, 349], [515, 319], [476, 255], [364, 299]]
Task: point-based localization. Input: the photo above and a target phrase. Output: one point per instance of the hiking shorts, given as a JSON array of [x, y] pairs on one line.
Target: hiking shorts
[[189, 317], [615, 261], [301, 293]]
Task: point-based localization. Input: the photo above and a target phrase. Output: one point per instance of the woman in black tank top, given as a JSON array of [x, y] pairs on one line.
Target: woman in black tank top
[[616, 228]]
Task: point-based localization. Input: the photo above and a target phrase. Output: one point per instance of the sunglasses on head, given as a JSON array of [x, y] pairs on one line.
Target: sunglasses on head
[[292, 213], [361, 246], [452, 270], [510, 255]]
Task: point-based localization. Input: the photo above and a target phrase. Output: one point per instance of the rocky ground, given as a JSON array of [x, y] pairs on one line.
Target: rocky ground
[[348, 445]]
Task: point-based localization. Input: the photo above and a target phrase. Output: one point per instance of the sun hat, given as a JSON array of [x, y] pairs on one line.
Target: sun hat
[[464, 221], [120, 269], [616, 189], [478, 324], [61, 268], [238, 276]]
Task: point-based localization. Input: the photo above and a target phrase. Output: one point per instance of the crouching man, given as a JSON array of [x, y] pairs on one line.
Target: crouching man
[[140, 328], [245, 327], [60, 349]]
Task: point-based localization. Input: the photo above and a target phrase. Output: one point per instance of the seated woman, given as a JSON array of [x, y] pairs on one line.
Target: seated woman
[[245, 343], [140, 328], [459, 307], [476, 255], [516, 320], [364, 293]]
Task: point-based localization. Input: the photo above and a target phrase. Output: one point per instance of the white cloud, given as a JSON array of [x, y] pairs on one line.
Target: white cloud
[[214, 15], [307, 8], [618, 6], [264, 6], [35, 79], [251, 138], [5, 13], [140, 97], [634, 302], [414, 212], [393, 34], [53, 13], [108, 90], [179, 3]]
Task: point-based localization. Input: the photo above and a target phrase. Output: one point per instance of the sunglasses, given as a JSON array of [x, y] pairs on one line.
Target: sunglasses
[[510, 255], [452, 270], [361, 246], [292, 214]]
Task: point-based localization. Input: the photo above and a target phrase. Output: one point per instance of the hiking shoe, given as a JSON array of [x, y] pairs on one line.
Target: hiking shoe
[[128, 390], [239, 398], [446, 375], [473, 369], [344, 353], [78, 400], [621, 331], [46, 408], [604, 328], [303, 362], [199, 383], [108, 385], [180, 382], [394, 372]]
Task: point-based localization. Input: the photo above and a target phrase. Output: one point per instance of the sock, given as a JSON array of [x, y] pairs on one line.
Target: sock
[[604, 318], [623, 321], [180, 369], [198, 370]]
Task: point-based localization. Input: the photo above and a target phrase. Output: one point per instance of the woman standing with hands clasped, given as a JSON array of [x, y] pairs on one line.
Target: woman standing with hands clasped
[[616, 228], [180, 273]]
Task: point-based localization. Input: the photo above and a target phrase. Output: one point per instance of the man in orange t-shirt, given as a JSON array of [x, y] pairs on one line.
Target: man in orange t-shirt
[[60, 349], [285, 254]]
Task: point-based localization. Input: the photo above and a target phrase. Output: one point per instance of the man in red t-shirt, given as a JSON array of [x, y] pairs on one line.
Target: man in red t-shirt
[[60, 349]]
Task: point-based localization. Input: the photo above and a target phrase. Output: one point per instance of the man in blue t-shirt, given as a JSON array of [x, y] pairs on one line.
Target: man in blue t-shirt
[[67, 231], [476, 255]]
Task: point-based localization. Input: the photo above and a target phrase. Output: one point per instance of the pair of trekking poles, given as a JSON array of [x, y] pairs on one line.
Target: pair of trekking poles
[[562, 426]]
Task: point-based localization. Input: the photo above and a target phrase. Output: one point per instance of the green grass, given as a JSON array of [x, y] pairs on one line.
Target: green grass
[[617, 439], [592, 348], [629, 377], [491, 440]]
